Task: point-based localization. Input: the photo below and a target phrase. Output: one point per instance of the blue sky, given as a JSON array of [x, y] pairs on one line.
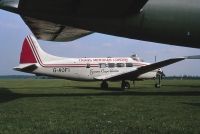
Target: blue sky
[[13, 31]]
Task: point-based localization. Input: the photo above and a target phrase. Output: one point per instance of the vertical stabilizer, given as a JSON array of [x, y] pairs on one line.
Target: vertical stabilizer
[[32, 53], [27, 55]]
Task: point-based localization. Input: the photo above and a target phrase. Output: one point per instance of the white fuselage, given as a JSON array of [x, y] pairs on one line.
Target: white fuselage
[[87, 69], [34, 60]]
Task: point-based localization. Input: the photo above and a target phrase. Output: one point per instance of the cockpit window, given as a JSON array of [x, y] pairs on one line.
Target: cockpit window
[[111, 65], [129, 64], [102, 65], [136, 58], [120, 65]]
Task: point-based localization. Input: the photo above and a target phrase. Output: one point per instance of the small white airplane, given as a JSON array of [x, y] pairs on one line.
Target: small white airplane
[[34, 60]]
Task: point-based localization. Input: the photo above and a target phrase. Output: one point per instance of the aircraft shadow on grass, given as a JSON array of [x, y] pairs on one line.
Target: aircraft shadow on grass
[[7, 95], [191, 103], [186, 85]]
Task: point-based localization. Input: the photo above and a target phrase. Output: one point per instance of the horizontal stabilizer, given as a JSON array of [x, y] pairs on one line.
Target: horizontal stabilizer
[[26, 68]]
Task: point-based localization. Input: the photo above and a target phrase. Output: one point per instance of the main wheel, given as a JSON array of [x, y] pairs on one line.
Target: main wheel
[[157, 85], [125, 85], [104, 85]]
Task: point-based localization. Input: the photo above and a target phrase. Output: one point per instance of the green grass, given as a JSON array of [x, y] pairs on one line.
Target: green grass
[[59, 107]]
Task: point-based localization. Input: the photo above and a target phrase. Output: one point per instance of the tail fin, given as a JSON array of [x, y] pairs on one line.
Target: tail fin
[[32, 52], [27, 53]]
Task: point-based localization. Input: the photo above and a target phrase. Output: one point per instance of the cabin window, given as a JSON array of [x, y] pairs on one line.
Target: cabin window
[[129, 64], [102, 65], [88, 66], [120, 65], [111, 65]]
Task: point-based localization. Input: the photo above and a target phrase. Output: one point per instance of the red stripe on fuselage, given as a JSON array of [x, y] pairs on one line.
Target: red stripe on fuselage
[[34, 50]]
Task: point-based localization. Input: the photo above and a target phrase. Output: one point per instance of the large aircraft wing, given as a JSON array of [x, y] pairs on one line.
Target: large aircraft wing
[[60, 20], [54, 32], [131, 74]]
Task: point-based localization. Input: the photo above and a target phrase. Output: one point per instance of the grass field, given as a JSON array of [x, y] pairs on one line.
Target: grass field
[[59, 107]]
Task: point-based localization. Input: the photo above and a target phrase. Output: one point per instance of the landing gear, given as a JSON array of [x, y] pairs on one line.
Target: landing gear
[[104, 85], [134, 83], [158, 84], [125, 85]]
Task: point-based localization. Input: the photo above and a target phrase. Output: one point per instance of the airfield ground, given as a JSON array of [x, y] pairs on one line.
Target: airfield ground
[[60, 106]]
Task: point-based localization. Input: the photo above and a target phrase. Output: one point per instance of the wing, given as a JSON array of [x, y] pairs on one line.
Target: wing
[[153, 20], [54, 32], [133, 74], [63, 18]]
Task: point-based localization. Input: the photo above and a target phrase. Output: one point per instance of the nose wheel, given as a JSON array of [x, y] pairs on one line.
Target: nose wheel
[[125, 85]]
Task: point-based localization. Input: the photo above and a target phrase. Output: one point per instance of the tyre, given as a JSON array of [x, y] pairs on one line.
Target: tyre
[[125, 85], [104, 85]]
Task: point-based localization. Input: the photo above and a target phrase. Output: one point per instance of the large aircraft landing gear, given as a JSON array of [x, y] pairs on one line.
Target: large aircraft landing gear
[[125, 85], [104, 85]]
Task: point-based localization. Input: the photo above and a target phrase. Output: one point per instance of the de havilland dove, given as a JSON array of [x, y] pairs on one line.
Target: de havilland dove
[[34, 60]]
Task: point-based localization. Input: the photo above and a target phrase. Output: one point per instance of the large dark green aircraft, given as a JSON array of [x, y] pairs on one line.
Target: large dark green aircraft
[[175, 22]]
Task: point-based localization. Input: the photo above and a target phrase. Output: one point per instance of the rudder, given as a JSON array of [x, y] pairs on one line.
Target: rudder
[[33, 53], [27, 55]]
